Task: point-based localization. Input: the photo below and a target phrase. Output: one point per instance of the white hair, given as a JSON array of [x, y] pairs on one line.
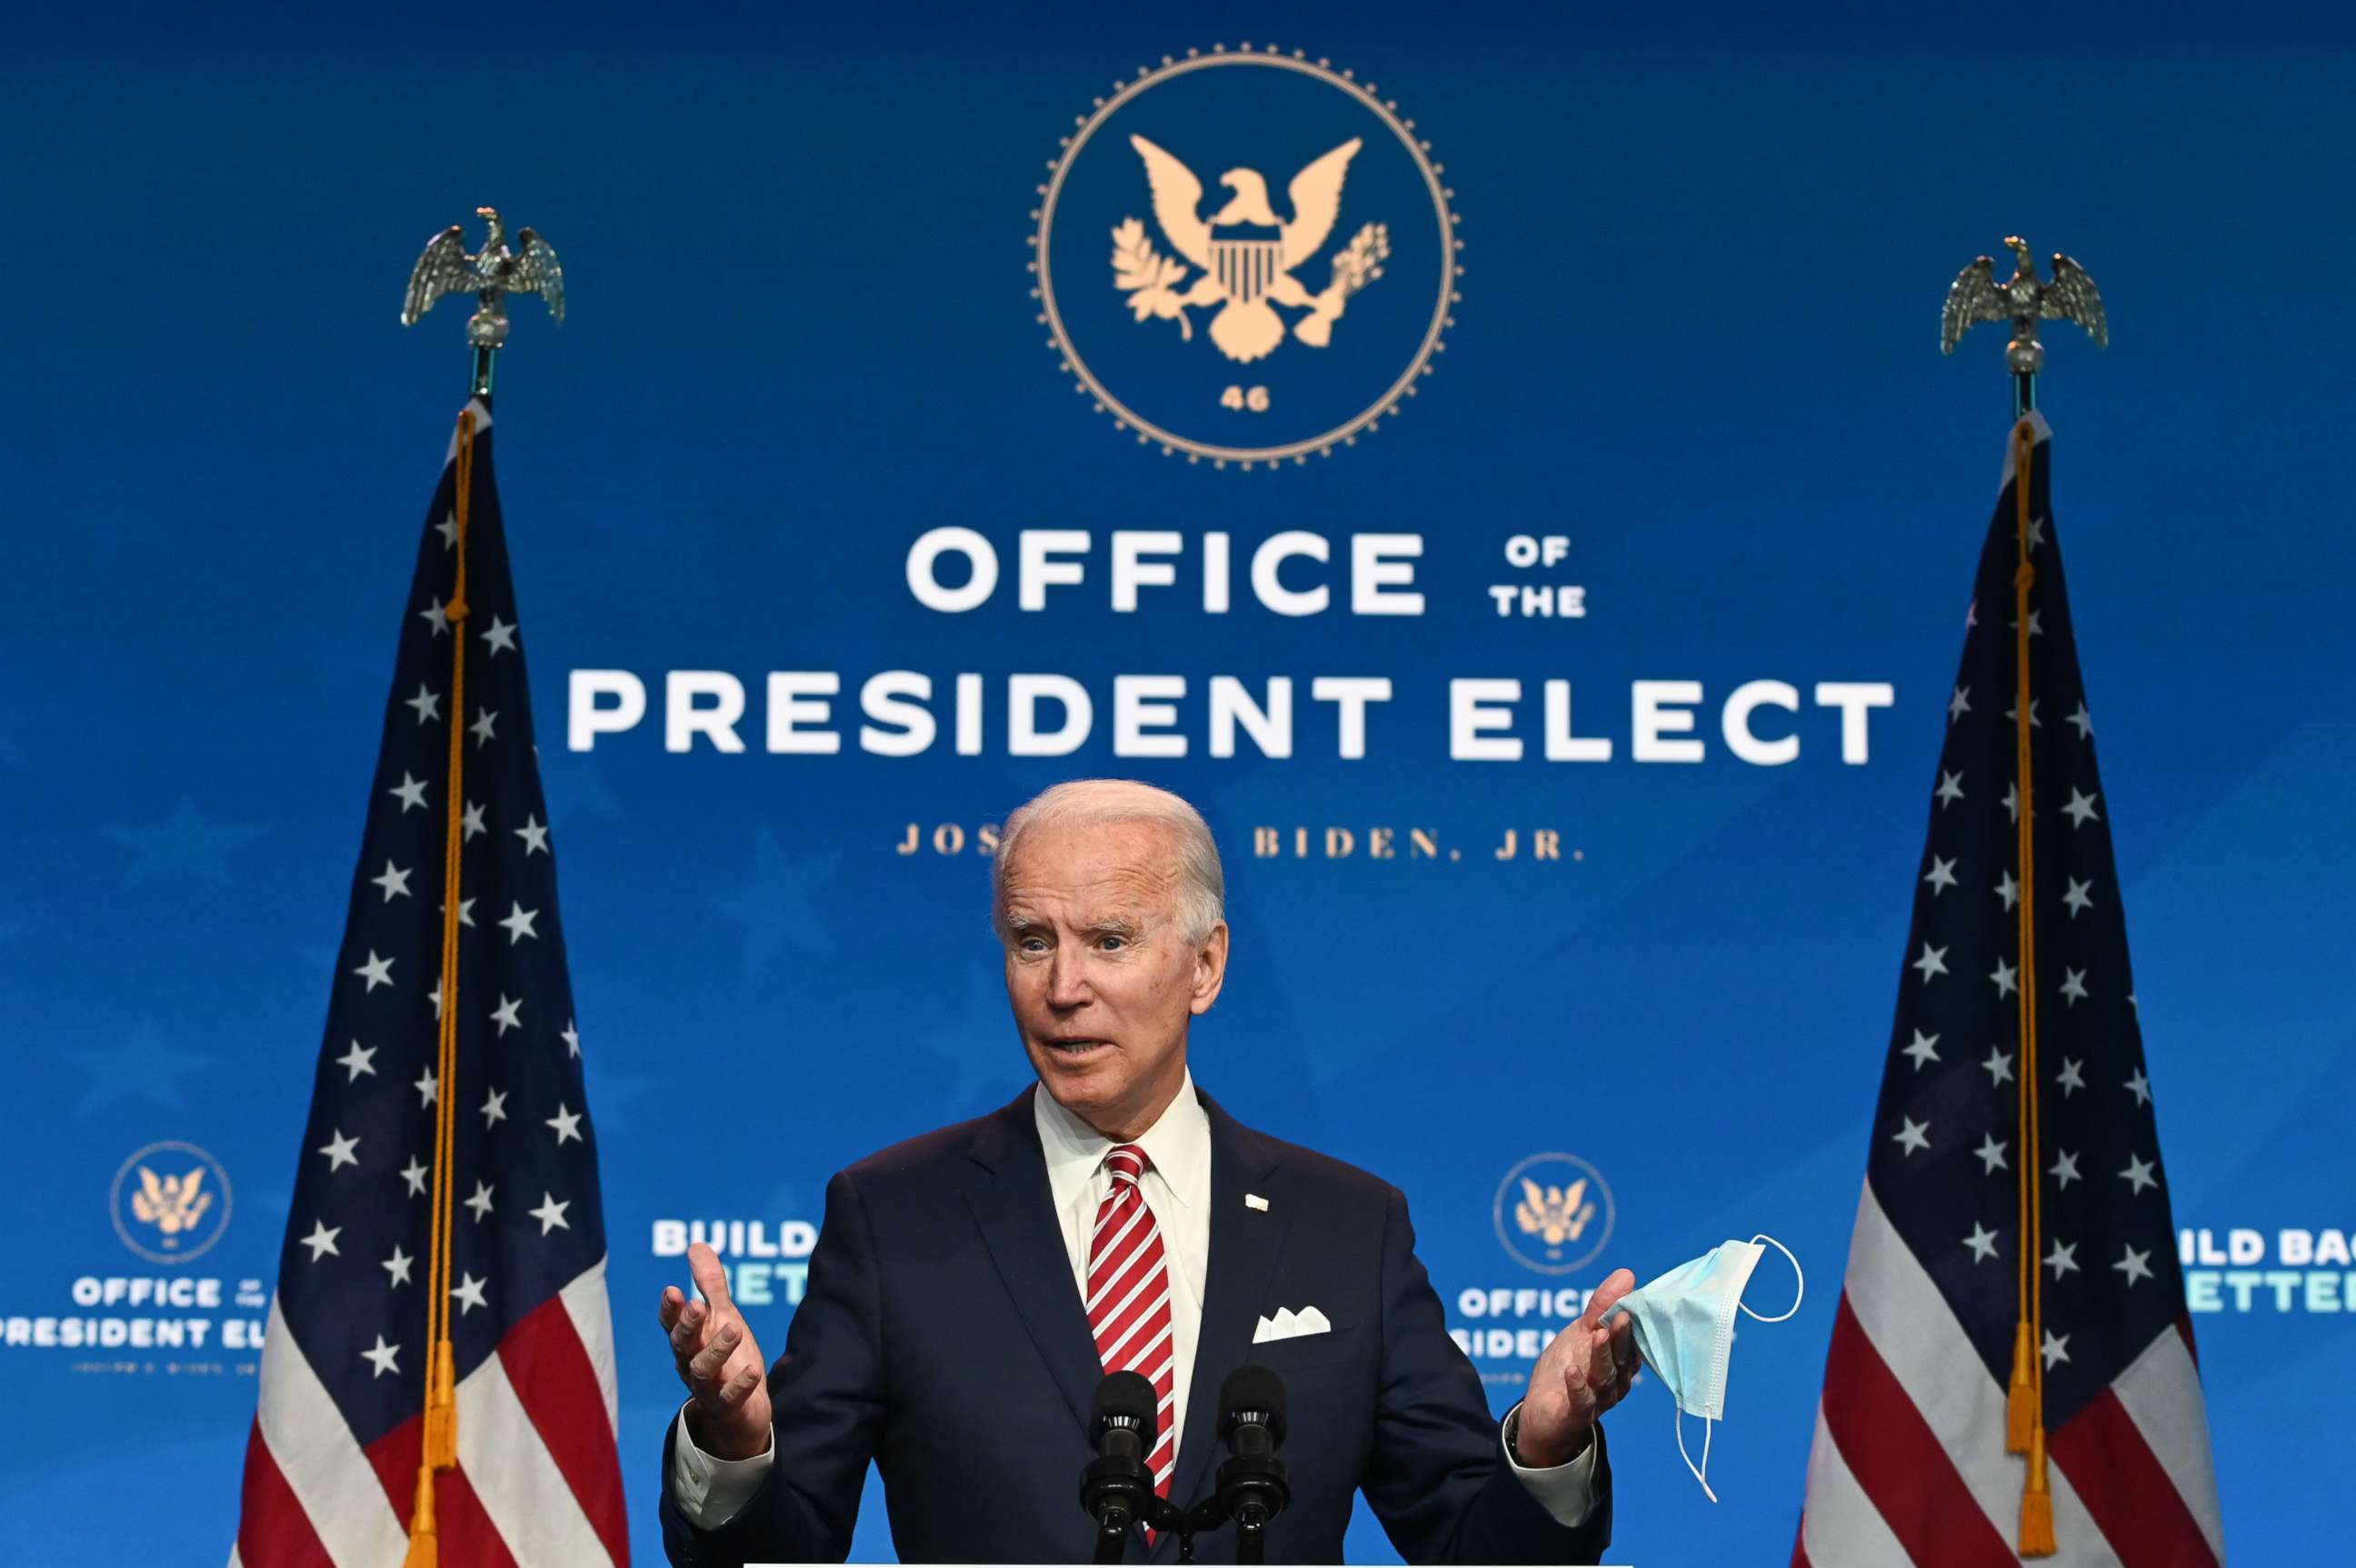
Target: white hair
[[1201, 894]]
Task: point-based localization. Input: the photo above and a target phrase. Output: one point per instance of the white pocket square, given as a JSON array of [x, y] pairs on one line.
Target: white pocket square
[[1289, 1325]]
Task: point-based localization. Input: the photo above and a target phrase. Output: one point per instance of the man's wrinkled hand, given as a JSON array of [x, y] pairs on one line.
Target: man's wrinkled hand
[[1585, 1371], [718, 1361]]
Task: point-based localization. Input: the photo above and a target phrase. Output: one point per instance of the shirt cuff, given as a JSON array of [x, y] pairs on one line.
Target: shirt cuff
[[710, 1490], [1567, 1490]]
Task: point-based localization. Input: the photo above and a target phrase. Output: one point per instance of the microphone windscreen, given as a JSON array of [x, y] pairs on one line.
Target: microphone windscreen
[[1124, 1394], [1252, 1387]]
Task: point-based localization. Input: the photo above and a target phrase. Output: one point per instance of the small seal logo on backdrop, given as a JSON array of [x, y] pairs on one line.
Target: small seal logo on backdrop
[[1246, 256], [1554, 1213], [170, 1202]]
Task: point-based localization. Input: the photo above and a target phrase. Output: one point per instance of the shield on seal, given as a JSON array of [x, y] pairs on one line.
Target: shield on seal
[[1245, 258]]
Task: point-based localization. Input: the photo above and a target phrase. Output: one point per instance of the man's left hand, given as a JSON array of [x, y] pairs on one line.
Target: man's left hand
[[1584, 1373]]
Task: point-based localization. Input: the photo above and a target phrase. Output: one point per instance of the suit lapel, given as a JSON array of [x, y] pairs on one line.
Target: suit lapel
[[1245, 1245], [1016, 1211]]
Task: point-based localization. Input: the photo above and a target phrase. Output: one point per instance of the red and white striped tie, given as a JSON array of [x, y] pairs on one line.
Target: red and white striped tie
[[1129, 1297]]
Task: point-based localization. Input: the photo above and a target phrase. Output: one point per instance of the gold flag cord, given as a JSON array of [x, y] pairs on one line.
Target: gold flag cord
[[2024, 1400], [440, 1449]]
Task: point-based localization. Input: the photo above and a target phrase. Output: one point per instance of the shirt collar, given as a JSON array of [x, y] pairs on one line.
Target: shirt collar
[[1179, 1143]]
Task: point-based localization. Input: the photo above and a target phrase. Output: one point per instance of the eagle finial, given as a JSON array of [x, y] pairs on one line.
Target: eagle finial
[[2023, 299], [490, 275]]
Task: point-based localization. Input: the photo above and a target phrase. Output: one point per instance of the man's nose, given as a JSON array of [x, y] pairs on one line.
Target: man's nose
[[1068, 987]]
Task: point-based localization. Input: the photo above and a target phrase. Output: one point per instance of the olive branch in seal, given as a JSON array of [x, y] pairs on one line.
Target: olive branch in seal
[[1147, 276]]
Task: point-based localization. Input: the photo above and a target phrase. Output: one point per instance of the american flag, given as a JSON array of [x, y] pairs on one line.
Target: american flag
[[1909, 1463], [332, 1460]]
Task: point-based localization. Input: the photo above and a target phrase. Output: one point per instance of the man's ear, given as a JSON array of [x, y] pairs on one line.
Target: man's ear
[[1210, 969]]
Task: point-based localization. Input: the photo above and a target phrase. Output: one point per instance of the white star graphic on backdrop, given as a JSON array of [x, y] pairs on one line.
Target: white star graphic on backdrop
[[2006, 982], [1959, 705], [1951, 789], [500, 634], [2080, 807], [414, 1173], [495, 1107], [2086, 723], [427, 1086], [506, 1014], [2063, 1260], [534, 836], [2070, 1078], [448, 529], [376, 971], [1991, 1156], [2009, 890], [409, 791], [2065, 1169], [394, 881], [1942, 876], [358, 1060], [1999, 1066], [481, 729], [321, 1240], [2073, 985], [551, 1213], [518, 925], [472, 822], [2140, 1087], [465, 911], [1982, 1242], [427, 703], [567, 1125], [2013, 713], [1913, 1135], [435, 616], [383, 1357], [481, 1202], [2134, 1264], [2137, 1175], [469, 1291], [2077, 897], [398, 1267], [1934, 961], [340, 1152], [572, 1038], [1924, 1050], [2057, 1348]]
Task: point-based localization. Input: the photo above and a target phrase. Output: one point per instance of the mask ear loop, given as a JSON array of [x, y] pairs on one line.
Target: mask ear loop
[[1702, 1475], [1799, 1296]]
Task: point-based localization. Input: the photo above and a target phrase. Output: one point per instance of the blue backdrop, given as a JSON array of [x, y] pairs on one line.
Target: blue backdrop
[[1691, 339]]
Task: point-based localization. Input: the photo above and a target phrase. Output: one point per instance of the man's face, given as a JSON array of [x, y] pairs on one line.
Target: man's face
[[1098, 972]]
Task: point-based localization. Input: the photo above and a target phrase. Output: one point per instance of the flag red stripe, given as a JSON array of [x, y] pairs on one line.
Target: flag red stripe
[[273, 1530], [1799, 1551], [1898, 1460], [2126, 1493], [467, 1532], [549, 1367]]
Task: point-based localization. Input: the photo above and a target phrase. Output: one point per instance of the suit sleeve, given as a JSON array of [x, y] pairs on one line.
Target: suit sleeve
[[826, 1399], [1437, 1475]]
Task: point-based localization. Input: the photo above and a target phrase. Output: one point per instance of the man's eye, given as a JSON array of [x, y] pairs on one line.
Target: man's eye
[[1031, 944], [1114, 944]]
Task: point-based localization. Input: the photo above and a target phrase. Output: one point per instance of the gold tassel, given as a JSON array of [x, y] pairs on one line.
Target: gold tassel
[[441, 1410], [424, 1550], [2037, 1503], [2020, 1400]]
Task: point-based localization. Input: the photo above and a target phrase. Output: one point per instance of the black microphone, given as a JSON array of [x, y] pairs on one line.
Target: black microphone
[[1115, 1487], [1252, 1485]]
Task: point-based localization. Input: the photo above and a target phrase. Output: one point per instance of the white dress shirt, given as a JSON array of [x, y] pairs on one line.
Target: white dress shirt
[[1177, 1188]]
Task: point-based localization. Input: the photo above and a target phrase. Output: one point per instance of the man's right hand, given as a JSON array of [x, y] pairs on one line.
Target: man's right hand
[[723, 1368]]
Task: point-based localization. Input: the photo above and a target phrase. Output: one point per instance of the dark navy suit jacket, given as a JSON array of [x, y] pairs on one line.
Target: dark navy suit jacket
[[942, 1336]]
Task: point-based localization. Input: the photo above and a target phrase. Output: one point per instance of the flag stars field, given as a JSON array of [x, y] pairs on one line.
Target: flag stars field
[[1932, 963], [341, 1151], [358, 1060], [481, 1201]]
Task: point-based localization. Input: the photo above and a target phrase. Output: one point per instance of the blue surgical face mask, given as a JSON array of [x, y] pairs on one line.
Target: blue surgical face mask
[[1685, 1327]]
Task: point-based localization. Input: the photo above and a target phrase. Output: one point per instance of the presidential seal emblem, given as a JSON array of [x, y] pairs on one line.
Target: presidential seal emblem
[[170, 1202], [1245, 255], [1554, 1213]]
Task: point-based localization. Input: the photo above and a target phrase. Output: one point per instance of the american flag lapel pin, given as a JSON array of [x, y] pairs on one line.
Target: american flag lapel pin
[[1254, 1200]]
